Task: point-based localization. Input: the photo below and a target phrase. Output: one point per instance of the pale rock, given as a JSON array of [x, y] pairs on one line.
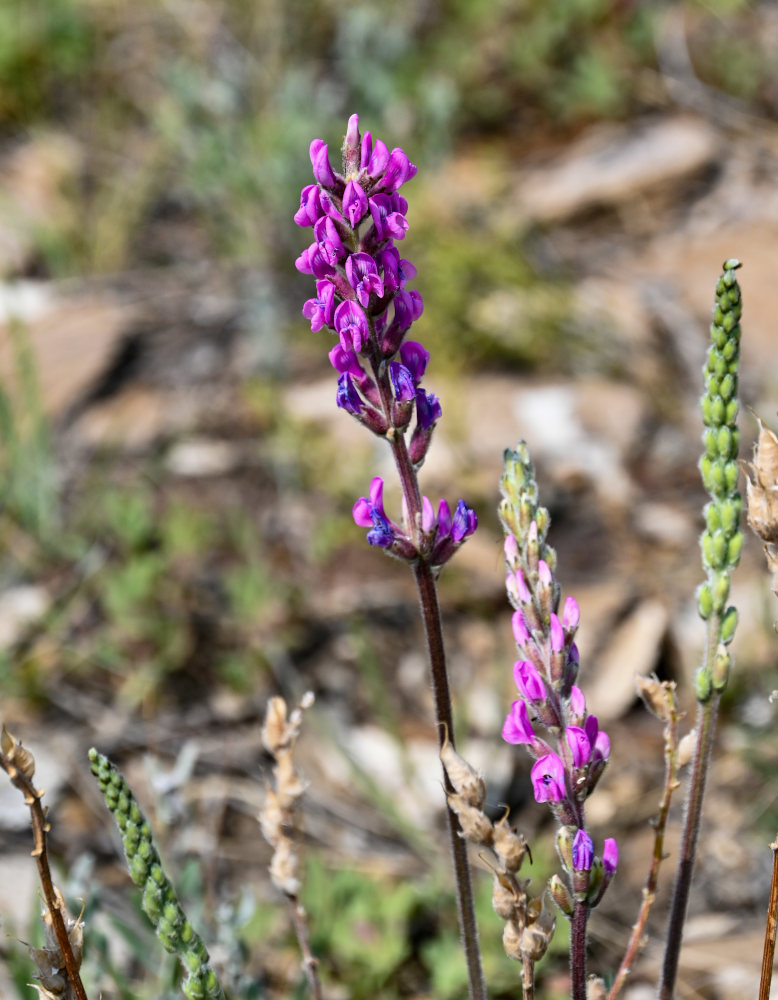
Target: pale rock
[[611, 164], [19, 607], [202, 457], [632, 648]]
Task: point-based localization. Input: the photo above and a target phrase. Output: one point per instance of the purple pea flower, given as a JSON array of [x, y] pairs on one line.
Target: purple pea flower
[[415, 357], [517, 728], [388, 222], [570, 615], [402, 382], [399, 170], [583, 851], [354, 203], [464, 523], [379, 159], [363, 277], [320, 162], [548, 778], [428, 410], [351, 326], [321, 310], [347, 397], [310, 207], [369, 513], [329, 240], [528, 681], [610, 855], [579, 744]]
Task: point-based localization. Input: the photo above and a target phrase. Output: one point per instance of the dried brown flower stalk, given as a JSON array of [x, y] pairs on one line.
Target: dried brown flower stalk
[[529, 923], [59, 961], [276, 818], [762, 496]]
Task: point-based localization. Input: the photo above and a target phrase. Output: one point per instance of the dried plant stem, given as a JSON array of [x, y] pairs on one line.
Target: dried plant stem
[[527, 980], [705, 727], [310, 962], [430, 612], [770, 930], [637, 939], [32, 797], [578, 950]]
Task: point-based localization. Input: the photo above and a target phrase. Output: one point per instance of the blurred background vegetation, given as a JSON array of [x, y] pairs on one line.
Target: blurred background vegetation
[[155, 150]]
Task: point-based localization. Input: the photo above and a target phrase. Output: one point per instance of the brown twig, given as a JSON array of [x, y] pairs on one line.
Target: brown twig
[[19, 765], [770, 930], [662, 703]]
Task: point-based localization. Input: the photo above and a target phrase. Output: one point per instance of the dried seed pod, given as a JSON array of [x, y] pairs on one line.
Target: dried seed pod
[[686, 747], [505, 896], [274, 730], [19, 756], [658, 696], [509, 845], [511, 940], [476, 826], [465, 779]]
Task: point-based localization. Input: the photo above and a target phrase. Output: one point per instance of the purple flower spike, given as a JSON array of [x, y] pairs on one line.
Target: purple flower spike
[[583, 852], [528, 681], [354, 203], [322, 171], [312, 261], [517, 728], [579, 744], [610, 855], [363, 277], [329, 240], [351, 326], [548, 779], [402, 382]]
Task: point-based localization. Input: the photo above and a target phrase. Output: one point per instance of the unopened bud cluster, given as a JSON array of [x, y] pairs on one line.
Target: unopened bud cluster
[[529, 923], [279, 736], [722, 540], [159, 899], [573, 751], [361, 295]]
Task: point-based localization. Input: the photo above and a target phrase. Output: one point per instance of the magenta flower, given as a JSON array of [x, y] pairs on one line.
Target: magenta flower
[[517, 728], [363, 276], [610, 855], [548, 779], [369, 513], [321, 310], [351, 326], [570, 614], [322, 171], [354, 203], [579, 744], [528, 681], [583, 851]]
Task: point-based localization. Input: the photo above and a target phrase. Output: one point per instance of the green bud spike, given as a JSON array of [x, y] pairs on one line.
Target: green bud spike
[[159, 900], [722, 541]]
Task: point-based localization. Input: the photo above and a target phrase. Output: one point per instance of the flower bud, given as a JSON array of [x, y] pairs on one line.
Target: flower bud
[[561, 895], [564, 845]]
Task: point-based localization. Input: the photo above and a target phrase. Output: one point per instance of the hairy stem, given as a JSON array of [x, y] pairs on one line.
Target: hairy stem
[[578, 951], [706, 727], [310, 963], [430, 612]]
